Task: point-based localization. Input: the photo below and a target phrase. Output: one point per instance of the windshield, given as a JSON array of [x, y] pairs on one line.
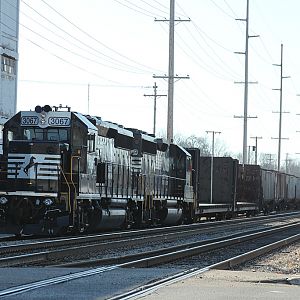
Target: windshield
[[40, 134], [53, 134]]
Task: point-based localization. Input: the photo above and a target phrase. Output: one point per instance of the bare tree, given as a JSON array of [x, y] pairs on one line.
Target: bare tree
[[202, 143], [193, 142], [267, 161], [293, 167]]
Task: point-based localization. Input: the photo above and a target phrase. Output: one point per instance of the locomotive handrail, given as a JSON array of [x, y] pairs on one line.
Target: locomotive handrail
[[2, 173], [171, 177], [69, 188], [75, 192], [72, 157]]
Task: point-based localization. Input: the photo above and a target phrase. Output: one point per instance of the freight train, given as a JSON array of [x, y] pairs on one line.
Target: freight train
[[62, 171]]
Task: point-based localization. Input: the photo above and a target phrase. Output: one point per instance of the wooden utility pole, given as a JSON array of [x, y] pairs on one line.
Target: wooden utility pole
[[256, 138], [155, 96]]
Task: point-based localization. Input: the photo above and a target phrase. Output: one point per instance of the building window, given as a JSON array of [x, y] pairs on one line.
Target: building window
[[8, 65]]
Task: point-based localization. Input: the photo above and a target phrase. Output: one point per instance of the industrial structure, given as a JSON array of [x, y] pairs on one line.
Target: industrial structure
[[9, 32]]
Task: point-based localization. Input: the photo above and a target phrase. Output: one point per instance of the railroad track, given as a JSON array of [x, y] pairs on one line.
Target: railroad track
[[288, 230], [73, 240], [76, 240], [58, 250], [166, 255], [69, 240], [147, 289]]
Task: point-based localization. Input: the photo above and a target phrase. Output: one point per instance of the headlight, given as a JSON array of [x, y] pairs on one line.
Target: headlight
[[48, 201], [3, 200]]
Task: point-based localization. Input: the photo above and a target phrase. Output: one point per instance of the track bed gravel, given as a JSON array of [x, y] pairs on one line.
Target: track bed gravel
[[284, 261]]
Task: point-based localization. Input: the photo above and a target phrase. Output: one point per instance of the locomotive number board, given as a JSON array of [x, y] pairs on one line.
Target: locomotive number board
[[59, 121], [50, 121]]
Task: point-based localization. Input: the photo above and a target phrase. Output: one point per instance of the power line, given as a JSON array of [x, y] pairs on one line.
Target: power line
[[162, 5], [202, 64], [91, 37], [185, 15], [221, 61], [136, 8], [86, 50], [230, 8], [221, 9], [89, 47], [156, 8], [70, 63], [201, 32], [84, 84], [71, 51]]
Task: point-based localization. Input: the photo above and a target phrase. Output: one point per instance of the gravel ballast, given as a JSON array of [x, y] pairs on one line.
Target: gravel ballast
[[284, 261]]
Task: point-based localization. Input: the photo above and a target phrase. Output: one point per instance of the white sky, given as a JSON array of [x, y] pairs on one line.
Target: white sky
[[116, 47]]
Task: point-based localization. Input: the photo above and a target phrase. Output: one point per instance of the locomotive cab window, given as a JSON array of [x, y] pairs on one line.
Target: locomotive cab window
[[39, 134], [10, 134], [57, 134], [33, 134], [91, 143]]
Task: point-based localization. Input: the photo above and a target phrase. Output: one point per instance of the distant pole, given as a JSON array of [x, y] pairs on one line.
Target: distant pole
[[246, 88], [270, 159], [280, 112], [287, 160], [249, 154], [280, 107], [212, 162], [88, 99], [246, 83], [155, 95], [256, 138]]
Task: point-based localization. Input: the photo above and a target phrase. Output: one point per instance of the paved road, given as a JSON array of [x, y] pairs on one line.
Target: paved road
[[100, 286], [233, 285], [213, 285]]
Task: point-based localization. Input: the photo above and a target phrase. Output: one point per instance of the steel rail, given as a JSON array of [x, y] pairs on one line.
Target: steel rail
[[183, 253], [146, 289], [184, 230], [223, 265], [200, 247], [162, 254]]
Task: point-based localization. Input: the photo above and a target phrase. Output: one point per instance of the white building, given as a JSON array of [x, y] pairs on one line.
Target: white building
[[9, 34]]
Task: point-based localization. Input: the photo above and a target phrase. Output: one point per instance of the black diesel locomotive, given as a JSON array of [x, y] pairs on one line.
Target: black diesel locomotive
[[62, 171]]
